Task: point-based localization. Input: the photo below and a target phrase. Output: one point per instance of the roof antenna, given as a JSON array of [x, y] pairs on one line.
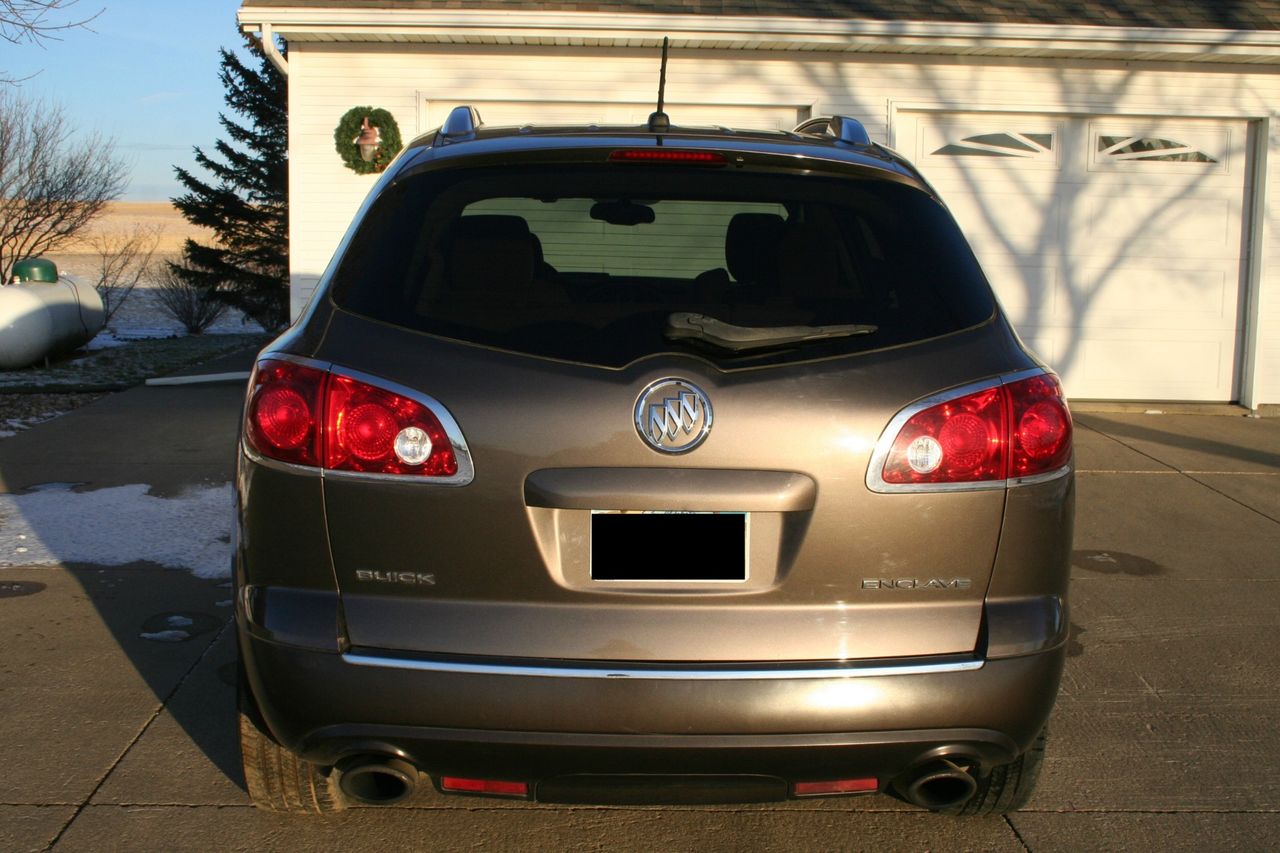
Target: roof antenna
[[659, 121]]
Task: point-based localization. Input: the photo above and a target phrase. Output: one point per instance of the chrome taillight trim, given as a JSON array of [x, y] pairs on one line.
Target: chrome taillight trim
[[1036, 479], [875, 468], [659, 673], [466, 469], [267, 462]]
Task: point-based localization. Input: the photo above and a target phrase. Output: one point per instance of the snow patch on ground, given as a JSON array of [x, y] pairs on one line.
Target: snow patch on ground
[[119, 525], [166, 636], [12, 426], [106, 339]]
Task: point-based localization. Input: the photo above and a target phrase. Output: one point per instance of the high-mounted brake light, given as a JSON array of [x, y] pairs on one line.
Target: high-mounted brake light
[[667, 155], [327, 419], [1000, 433]]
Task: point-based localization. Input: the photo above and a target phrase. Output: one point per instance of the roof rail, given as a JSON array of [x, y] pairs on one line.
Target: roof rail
[[462, 121], [844, 128]]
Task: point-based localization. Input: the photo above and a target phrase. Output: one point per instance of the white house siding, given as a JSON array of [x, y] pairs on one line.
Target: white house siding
[[413, 81]]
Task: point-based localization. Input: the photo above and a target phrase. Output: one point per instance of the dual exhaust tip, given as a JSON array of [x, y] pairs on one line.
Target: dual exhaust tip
[[373, 780], [938, 785]]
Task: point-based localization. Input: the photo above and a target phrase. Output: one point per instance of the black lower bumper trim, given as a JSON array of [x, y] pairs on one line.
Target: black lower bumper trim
[[534, 756], [614, 789]]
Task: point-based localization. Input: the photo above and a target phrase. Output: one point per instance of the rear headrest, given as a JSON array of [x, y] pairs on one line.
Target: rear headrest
[[751, 246], [490, 254]]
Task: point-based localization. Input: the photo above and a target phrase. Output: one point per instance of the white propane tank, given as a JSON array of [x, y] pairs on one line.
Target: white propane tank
[[40, 319]]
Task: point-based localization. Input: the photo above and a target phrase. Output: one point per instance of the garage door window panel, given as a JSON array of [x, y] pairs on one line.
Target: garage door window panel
[[1153, 150], [1150, 149], [1006, 144]]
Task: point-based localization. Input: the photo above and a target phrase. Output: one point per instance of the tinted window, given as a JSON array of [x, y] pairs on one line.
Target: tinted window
[[590, 263]]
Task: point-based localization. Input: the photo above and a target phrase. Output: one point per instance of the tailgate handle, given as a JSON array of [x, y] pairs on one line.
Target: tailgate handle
[[679, 489]]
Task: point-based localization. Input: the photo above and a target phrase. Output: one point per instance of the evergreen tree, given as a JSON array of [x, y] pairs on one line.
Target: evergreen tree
[[245, 204]]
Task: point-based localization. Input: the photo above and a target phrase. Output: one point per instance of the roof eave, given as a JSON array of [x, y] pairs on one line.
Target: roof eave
[[455, 26]]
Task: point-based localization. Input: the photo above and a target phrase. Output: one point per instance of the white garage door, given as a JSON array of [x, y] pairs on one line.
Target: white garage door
[[508, 113], [1115, 244]]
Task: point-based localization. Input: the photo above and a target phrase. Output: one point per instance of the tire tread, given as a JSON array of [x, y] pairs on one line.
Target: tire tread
[[1008, 787], [276, 779]]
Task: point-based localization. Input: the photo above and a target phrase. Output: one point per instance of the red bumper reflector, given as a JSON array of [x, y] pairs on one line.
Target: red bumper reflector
[[836, 786], [493, 787], [666, 155]]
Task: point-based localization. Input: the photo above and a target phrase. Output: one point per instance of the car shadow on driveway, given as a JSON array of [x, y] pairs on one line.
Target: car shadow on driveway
[[115, 687], [176, 632]]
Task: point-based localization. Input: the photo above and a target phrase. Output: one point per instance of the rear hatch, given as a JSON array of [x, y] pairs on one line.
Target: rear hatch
[[670, 380]]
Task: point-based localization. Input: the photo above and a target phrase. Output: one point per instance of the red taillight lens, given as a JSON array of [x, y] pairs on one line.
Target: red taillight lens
[[667, 155], [284, 412], [307, 416], [1008, 431], [492, 787], [959, 441], [377, 431], [1041, 423]]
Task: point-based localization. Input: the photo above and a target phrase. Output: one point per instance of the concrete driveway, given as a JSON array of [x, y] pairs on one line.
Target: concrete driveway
[[1163, 737]]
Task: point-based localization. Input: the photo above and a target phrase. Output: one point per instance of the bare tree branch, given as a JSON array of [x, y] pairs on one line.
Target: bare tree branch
[[33, 21], [194, 307], [50, 187], [123, 258], [36, 21]]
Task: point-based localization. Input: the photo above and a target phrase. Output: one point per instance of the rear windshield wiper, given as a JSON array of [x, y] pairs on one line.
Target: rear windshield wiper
[[700, 327]]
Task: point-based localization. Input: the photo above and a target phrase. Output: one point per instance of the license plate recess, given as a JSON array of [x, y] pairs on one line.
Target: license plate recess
[[672, 547]]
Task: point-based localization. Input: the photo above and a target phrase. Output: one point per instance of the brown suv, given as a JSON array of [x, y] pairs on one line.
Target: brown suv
[[649, 465]]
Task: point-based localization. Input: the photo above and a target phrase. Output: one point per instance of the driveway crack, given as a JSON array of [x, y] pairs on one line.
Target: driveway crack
[[155, 715]]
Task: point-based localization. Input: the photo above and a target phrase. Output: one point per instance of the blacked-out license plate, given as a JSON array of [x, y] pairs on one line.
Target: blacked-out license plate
[[669, 546]]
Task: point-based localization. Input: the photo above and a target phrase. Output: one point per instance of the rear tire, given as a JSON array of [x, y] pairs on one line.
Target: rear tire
[[1008, 787], [277, 780]]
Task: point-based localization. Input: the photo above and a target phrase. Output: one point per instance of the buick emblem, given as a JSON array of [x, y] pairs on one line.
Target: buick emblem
[[673, 416]]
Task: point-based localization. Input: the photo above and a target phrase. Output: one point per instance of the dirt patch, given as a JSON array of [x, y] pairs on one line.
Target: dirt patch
[[23, 411]]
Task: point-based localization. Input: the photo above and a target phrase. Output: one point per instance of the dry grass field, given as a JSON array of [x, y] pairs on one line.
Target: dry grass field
[[121, 217]]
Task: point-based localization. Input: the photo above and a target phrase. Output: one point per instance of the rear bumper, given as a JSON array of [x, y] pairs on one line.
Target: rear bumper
[[494, 720]]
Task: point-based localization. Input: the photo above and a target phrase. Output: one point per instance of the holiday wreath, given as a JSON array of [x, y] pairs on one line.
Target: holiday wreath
[[381, 143]]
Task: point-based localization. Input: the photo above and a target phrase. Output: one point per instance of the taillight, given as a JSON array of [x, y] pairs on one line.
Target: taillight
[[325, 419], [377, 431], [1006, 431], [1041, 426], [283, 414], [959, 441]]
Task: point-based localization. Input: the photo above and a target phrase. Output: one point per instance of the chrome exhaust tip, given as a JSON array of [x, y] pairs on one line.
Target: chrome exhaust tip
[[374, 780], [939, 785]]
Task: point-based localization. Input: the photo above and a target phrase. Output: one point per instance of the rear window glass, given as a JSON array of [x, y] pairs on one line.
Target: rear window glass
[[604, 265]]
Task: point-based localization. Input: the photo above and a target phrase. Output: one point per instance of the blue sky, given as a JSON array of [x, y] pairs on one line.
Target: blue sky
[[145, 73]]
